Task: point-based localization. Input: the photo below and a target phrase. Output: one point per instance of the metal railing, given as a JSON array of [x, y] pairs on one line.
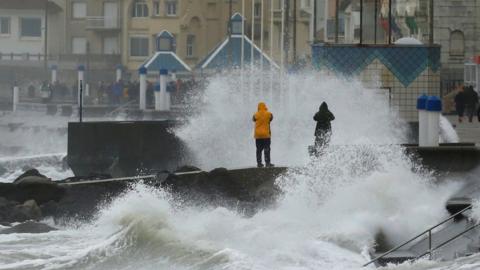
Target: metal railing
[[121, 108], [429, 232], [22, 56], [448, 241]]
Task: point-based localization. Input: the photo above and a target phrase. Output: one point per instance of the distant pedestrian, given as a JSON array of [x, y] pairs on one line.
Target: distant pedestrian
[[323, 130], [45, 91], [100, 92], [460, 104], [262, 134], [117, 92], [478, 112], [471, 102], [75, 92], [31, 91]]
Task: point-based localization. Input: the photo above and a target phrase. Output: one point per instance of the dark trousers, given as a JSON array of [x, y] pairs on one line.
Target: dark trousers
[[322, 138], [263, 145], [471, 110]]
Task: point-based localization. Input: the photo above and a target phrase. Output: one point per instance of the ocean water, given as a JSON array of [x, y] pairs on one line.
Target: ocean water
[[330, 210]]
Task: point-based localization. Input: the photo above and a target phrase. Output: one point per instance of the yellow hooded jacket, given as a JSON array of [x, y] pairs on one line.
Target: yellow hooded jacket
[[262, 119]]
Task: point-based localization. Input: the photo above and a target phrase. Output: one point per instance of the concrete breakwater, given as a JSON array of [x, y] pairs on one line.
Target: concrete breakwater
[[447, 157], [34, 196], [126, 148]]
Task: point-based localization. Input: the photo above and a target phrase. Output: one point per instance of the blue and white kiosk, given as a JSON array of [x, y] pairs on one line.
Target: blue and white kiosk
[[228, 53], [165, 60]]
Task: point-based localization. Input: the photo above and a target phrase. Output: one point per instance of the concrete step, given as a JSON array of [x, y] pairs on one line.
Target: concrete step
[[473, 247], [457, 204], [396, 257]]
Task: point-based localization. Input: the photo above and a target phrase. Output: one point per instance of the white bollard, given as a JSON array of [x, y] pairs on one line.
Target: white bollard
[[159, 95], [143, 88], [54, 74], [119, 73], [434, 109], [162, 93], [81, 80], [15, 97], [422, 120], [167, 100]]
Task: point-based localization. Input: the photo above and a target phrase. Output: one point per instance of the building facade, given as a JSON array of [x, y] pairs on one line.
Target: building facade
[[457, 30], [24, 31], [199, 26], [94, 26]]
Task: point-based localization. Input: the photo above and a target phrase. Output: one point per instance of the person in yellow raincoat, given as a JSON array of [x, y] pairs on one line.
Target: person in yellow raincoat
[[262, 134]]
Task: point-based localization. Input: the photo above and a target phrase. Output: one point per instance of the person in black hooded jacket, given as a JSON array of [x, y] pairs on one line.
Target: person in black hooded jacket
[[323, 130], [471, 102]]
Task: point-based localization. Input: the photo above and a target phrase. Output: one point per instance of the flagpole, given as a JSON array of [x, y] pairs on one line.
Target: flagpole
[[271, 49], [251, 48], [242, 53], [252, 34], [261, 47], [282, 52], [282, 38]]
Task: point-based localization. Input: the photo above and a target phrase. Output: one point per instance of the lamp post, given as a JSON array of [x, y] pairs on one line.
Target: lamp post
[[119, 69], [81, 78], [54, 74], [143, 88]]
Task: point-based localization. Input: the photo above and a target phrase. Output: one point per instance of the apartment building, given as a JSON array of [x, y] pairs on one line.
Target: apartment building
[[94, 26], [457, 30], [104, 33], [24, 31], [196, 26], [199, 26]]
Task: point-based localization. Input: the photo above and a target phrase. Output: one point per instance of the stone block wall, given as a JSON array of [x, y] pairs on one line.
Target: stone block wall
[[458, 15]]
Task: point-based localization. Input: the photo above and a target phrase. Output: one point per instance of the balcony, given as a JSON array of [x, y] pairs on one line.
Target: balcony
[[102, 23], [303, 15], [277, 15], [63, 61]]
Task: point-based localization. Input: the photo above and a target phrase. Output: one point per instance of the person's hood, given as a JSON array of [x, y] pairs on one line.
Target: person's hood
[[323, 107], [262, 107]]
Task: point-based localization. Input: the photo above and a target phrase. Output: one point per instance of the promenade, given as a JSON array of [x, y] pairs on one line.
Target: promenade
[[467, 132]]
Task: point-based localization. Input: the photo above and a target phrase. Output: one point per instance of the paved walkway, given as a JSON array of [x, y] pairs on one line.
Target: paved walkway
[[468, 132]]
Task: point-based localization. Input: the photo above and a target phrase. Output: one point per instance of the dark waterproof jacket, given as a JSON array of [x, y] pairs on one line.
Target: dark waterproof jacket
[[471, 97], [460, 99], [323, 118]]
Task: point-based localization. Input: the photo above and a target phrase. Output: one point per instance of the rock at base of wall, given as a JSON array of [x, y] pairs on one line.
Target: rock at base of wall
[[30, 210], [29, 227], [3, 170], [251, 185], [29, 172], [11, 211]]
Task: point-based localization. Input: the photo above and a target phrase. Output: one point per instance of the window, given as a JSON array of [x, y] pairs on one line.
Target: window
[[236, 27], [305, 4], [457, 43], [4, 25], [156, 8], [110, 45], [140, 9], [190, 45], [279, 4], [258, 10], [79, 45], [164, 44], [138, 46], [171, 7], [31, 27], [79, 10]]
